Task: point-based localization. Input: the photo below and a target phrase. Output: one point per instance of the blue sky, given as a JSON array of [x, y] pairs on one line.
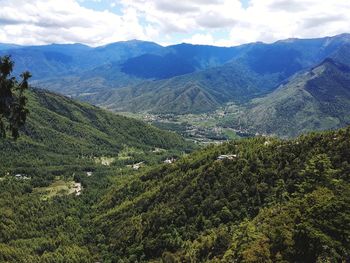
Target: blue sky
[[213, 22], [245, 3]]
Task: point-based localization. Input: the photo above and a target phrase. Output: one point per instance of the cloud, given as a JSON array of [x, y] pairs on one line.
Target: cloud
[[267, 20], [271, 20], [288, 5], [47, 21], [321, 20], [201, 39], [215, 20], [175, 7], [169, 21], [187, 16]]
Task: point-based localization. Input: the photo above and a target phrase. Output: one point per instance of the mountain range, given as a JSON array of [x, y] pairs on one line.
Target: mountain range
[[138, 76], [83, 184]]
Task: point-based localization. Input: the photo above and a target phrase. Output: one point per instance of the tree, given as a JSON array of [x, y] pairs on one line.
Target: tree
[[13, 112], [318, 171]]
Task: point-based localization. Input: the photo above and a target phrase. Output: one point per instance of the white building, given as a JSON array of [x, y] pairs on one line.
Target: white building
[[227, 157]]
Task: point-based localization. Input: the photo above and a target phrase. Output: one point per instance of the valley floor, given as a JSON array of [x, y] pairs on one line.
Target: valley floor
[[217, 127]]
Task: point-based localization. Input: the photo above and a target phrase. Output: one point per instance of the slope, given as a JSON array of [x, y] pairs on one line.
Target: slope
[[273, 200], [286, 57], [316, 100], [151, 66], [60, 131], [68, 154], [191, 93], [255, 69]]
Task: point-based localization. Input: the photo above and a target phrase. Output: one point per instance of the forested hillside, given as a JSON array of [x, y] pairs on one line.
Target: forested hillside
[[82, 184], [316, 100], [191, 93], [273, 201], [162, 131], [267, 200], [67, 156], [66, 135]]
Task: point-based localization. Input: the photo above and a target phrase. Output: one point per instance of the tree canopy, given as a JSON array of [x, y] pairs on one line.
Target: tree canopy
[[13, 111]]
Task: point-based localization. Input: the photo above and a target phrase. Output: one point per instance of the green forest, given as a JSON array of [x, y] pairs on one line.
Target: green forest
[[62, 137], [268, 200]]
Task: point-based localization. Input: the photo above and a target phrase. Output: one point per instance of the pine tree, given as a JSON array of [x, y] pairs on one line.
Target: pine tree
[[13, 112]]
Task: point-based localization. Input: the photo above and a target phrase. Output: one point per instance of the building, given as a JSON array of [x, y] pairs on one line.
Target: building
[[170, 160], [22, 176], [227, 157], [137, 166]]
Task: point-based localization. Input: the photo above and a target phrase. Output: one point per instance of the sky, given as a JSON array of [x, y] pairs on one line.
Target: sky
[[212, 22]]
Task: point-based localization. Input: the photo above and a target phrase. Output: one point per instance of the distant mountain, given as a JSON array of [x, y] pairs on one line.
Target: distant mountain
[[119, 67], [318, 99], [143, 76], [151, 66], [59, 130], [342, 55], [254, 70], [94, 82], [50, 61], [204, 56], [146, 60], [4, 46], [191, 93], [286, 57], [122, 51]]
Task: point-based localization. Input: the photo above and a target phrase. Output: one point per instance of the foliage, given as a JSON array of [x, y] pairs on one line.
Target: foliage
[[41, 218], [13, 112], [62, 137], [277, 201]]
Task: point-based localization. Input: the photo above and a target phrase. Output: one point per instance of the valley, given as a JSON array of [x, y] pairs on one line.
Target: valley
[[204, 128], [194, 82], [137, 152]]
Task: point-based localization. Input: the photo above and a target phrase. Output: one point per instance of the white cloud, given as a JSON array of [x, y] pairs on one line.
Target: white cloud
[[195, 21], [48, 21], [271, 20], [263, 20], [201, 39]]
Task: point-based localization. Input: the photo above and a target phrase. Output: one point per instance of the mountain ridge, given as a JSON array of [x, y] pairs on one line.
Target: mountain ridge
[[59, 130], [315, 100], [143, 77]]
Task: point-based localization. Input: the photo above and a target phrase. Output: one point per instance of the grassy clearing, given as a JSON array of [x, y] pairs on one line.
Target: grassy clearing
[[230, 134], [128, 153], [58, 188]]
